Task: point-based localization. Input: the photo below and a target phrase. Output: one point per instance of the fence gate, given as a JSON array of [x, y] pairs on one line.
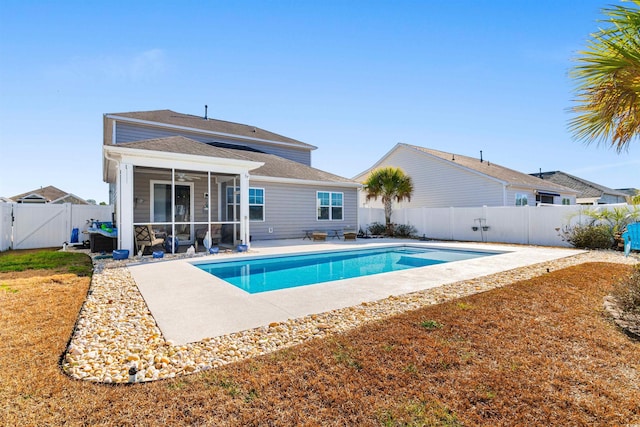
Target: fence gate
[[50, 225], [40, 226]]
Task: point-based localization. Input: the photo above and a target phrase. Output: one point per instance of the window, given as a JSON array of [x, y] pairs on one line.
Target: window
[[330, 206], [566, 201], [544, 198], [521, 199], [256, 204]]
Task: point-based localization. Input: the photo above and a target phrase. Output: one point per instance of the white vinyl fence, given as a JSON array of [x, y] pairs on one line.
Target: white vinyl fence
[[6, 210], [531, 225], [45, 225]]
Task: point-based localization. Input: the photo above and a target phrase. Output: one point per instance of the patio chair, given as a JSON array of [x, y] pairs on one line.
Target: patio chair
[[146, 237], [631, 238]]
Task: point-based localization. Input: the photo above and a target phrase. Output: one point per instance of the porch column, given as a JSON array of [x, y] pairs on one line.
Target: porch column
[[125, 207], [244, 208]]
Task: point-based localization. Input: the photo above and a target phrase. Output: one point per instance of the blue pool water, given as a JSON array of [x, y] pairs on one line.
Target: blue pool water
[[273, 273]]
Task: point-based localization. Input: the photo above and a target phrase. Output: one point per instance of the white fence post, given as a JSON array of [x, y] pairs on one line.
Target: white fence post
[[6, 222]]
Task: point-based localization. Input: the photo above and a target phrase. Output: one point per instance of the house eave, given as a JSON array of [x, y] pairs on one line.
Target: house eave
[[296, 181], [207, 132], [541, 189], [167, 160]]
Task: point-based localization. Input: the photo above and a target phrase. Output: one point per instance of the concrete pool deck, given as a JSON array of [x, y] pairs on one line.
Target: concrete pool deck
[[189, 304]]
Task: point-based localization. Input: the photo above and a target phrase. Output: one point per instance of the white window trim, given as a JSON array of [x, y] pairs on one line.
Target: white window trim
[[264, 202], [521, 196], [330, 206], [264, 205]]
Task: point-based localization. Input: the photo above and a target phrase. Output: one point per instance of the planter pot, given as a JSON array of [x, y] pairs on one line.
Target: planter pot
[[485, 227], [169, 241], [242, 248], [121, 254], [158, 254], [474, 228], [214, 250]]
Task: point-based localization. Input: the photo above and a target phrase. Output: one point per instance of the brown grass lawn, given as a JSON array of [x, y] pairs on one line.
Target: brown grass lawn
[[538, 352]]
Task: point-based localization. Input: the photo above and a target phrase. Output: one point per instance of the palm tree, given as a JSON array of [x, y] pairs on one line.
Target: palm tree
[[389, 184], [608, 81]]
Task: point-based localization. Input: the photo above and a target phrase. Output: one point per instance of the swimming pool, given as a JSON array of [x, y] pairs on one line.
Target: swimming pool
[[273, 273]]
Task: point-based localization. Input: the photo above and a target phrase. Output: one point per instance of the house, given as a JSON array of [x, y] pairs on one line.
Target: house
[[589, 193], [48, 194], [442, 179], [633, 195], [187, 174]]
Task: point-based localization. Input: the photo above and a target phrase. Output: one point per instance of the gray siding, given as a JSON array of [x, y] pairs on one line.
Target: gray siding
[[438, 184], [531, 197], [610, 198], [142, 190], [511, 196], [290, 209], [127, 132]]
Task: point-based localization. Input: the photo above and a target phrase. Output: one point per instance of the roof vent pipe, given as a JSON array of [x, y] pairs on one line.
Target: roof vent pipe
[[540, 172], [205, 111], [480, 156]]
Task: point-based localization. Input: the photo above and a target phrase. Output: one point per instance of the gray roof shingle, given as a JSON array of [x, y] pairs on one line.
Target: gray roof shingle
[[494, 170], [274, 166], [585, 189], [164, 117], [49, 193]]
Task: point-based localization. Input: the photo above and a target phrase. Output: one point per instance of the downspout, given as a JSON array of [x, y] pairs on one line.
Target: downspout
[[209, 207], [118, 195], [173, 211]]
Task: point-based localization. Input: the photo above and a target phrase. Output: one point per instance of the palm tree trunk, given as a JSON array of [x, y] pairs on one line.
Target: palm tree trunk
[[387, 216]]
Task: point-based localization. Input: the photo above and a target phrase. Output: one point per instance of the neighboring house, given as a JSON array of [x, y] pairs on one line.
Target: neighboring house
[[443, 179], [48, 194], [630, 192], [184, 174], [589, 193]]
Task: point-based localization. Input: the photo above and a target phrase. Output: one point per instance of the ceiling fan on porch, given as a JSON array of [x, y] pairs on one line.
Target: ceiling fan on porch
[[182, 177]]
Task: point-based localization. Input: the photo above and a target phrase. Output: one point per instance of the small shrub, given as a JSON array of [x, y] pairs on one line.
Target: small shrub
[[431, 324], [404, 230], [589, 236], [627, 293], [377, 229]]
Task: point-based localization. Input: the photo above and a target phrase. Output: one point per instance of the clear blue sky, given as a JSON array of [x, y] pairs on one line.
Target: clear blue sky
[[350, 77]]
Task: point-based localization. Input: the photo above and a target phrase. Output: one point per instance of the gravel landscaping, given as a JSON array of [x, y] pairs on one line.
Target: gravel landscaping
[[116, 339]]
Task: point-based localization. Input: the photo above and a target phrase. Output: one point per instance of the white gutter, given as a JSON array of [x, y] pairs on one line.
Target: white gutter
[[147, 155], [298, 181], [209, 132]]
